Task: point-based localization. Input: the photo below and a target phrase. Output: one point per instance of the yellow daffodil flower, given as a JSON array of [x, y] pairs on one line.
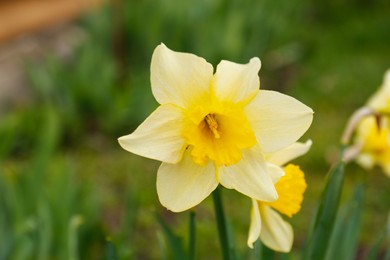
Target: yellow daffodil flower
[[380, 101], [213, 128], [374, 143], [373, 136], [266, 223]]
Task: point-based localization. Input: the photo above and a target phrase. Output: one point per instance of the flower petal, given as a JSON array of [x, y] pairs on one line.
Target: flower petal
[[289, 153], [159, 136], [275, 172], [237, 82], [249, 176], [179, 78], [276, 233], [278, 120], [365, 160], [184, 185], [255, 226], [380, 99]]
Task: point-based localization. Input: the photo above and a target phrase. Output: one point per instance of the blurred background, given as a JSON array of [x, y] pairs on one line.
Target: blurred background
[[74, 76]]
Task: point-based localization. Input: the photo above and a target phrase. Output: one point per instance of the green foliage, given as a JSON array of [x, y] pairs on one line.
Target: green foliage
[[110, 251], [235, 30], [171, 245], [175, 243], [44, 213], [344, 239], [319, 237], [382, 241]]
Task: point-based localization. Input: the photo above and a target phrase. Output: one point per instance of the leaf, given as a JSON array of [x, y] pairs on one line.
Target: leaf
[[387, 256], [374, 252], [174, 241], [344, 238], [319, 237], [263, 252], [110, 251]]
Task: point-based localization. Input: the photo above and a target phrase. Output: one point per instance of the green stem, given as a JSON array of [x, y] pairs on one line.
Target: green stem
[[192, 236], [221, 224], [258, 249]]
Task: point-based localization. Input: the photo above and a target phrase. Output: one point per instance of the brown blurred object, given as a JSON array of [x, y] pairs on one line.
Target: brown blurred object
[[20, 16]]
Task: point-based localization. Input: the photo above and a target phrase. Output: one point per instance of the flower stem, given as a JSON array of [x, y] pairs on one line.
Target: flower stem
[[192, 235], [258, 249], [221, 224]]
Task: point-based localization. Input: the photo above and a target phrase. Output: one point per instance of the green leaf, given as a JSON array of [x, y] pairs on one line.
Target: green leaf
[[174, 241], [374, 252], [387, 256], [263, 252], [384, 237], [73, 241], [344, 238], [268, 253], [44, 230], [319, 237], [110, 250]]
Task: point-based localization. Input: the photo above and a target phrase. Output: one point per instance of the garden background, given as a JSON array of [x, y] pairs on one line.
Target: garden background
[[68, 191]]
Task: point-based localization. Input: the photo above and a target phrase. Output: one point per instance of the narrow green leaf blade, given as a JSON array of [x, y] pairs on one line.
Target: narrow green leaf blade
[[110, 253], [344, 238], [387, 256], [318, 240], [174, 241], [383, 238]]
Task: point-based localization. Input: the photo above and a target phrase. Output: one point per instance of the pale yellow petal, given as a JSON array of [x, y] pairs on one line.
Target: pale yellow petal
[[235, 82], [159, 136], [365, 160], [380, 100], [249, 176], [255, 225], [276, 233], [184, 185], [289, 153], [179, 78], [275, 172], [278, 120]]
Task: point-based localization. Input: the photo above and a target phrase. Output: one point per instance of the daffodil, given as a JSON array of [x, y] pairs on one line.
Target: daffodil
[[373, 140], [266, 223], [373, 133], [213, 128], [380, 101]]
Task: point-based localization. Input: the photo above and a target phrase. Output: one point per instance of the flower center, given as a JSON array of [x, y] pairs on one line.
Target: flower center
[[375, 139], [212, 125], [219, 132], [290, 189]]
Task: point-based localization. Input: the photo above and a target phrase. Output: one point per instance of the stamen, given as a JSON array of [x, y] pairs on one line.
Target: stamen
[[213, 125]]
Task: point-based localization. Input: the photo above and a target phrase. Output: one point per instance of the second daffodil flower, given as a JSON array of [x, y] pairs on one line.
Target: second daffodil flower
[[266, 223], [373, 134], [213, 128]]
